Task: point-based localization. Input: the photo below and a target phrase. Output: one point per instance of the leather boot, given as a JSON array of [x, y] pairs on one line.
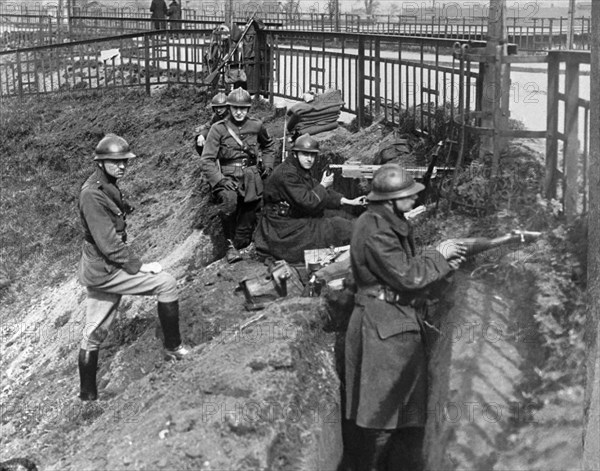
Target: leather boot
[[168, 314], [88, 364]]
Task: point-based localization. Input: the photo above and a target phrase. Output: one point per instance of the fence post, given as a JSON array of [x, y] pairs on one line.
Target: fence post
[[571, 139], [551, 126], [377, 77], [147, 59], [360, 83], [20, 72]]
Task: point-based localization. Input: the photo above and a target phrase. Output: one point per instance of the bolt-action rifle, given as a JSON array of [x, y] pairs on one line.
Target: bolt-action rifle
[[358, 170], [209, 79], [475, 245]]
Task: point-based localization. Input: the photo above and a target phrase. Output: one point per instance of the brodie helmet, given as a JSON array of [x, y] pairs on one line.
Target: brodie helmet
[[306, 143], [391, 182], [113, 147], [239, 97]]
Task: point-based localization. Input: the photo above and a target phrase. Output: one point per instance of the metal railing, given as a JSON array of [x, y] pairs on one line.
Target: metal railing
[[127, 61], [378, 75]]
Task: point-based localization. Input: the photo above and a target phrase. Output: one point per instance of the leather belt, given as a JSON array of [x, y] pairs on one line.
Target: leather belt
[[383, 293], [242, 163]]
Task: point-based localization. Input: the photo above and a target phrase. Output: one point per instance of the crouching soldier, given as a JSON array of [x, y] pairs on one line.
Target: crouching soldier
[[386, 366], [293, 218], [109, 269], [230, 163], [220, 111]]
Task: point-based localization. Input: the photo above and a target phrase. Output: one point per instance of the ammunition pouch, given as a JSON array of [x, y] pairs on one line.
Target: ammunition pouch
[[281, 209]]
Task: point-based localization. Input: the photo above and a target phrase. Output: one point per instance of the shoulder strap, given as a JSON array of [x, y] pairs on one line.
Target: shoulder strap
[[234, 135]]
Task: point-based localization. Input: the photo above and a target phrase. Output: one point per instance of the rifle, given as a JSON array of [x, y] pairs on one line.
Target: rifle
[[358, 170], [211, 77], [475, 245]]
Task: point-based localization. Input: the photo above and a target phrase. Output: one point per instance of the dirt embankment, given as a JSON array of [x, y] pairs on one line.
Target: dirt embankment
[[261, 390]]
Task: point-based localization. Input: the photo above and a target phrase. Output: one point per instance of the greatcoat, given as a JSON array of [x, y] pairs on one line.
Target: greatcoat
[[293, 216], [385, 364]]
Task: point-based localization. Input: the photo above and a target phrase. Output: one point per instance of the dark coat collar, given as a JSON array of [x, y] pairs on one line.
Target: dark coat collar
[[399, 224]]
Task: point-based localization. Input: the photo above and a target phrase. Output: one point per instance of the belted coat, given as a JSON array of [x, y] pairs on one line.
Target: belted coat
[[222, 151], [102, 211], [304, 225], [385, 358]]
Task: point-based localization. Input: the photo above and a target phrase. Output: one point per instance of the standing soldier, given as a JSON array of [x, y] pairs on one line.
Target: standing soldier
[[220, 110], [230, 162], [109, 269], [293, 218], [386, 367]]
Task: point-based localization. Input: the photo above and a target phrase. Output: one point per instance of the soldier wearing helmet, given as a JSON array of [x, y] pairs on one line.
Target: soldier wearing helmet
[[385, 358], [237, 155], [293, 218], [108, 267], [220, 111]]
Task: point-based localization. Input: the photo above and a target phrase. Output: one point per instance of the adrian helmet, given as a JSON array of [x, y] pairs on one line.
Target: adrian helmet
[[391, 182], [113, 147], [239, 97], [306, 143], [220, 99]]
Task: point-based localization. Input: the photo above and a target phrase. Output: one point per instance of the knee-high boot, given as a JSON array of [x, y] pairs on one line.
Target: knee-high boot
[[88, 365], [168, 314]]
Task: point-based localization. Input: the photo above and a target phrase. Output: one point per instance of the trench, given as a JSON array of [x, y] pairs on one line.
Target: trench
[[480, 369]]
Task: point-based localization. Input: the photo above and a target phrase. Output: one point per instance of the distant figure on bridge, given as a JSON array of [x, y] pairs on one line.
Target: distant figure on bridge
[[174, 13], [159, 13]]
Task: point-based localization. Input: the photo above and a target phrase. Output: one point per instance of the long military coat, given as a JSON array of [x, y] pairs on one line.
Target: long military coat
[[221, 150], [102, 212], [386, 366], [286, 236]]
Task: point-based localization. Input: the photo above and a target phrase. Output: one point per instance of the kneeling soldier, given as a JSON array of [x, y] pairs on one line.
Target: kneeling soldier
[[109, 269]]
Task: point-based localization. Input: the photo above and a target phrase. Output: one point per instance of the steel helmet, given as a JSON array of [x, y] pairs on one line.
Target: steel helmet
[[113, 147], [220, 99], [391, 182], [239, 97], [306, 143]]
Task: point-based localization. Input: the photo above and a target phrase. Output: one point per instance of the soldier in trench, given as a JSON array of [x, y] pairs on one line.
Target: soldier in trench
[[385, 355], [293, 217], [220, 112], [109, 269], [238, 154]]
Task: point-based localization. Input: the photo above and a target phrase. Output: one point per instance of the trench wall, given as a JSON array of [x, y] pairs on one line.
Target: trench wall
[[475, 368]]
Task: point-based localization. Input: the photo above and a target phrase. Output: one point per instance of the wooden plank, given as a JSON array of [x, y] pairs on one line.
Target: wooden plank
[[552, 126], [571, 150]]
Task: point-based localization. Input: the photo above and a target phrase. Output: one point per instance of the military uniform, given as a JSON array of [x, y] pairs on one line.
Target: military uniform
[[108, 267], [293, 216], [385, 364], [203, 131], [223, 157]]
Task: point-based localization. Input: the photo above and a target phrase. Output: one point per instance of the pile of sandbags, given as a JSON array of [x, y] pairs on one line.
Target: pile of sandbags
[[319, 115]]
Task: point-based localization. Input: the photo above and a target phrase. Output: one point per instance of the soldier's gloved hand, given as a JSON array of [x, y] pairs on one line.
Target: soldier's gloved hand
[[227, 184], [452, 250]]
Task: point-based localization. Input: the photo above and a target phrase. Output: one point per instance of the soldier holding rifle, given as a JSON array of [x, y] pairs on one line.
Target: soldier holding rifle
[[386, 366]]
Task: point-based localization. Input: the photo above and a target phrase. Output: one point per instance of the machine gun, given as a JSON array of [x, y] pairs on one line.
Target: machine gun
[[358, 170]]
